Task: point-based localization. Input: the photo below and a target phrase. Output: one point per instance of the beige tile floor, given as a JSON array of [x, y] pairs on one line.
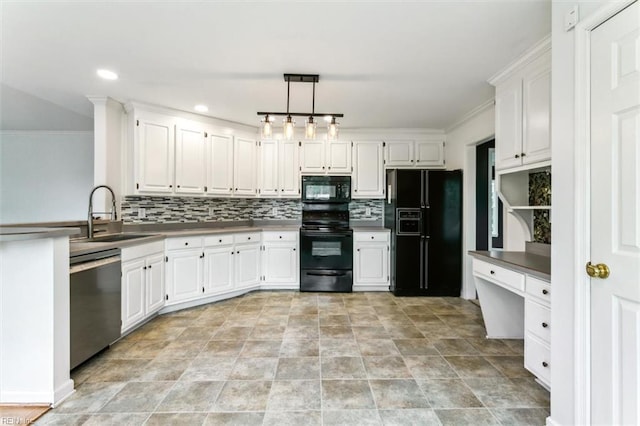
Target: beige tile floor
[[289, 358]]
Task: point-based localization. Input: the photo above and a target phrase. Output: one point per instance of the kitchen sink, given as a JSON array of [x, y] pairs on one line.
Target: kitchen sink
[[116, 237]]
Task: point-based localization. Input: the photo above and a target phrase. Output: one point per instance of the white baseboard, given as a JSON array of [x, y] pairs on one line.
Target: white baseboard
[[551, 422], [63, 392]]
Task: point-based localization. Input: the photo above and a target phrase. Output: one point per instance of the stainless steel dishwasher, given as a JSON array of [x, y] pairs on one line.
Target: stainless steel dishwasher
[[95, 303]]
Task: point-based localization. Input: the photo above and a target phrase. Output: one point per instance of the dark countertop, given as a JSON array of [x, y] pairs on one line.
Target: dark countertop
[[32, 233], [528, 263]]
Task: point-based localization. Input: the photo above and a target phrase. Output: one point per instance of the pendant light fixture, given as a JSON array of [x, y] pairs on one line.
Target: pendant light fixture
[[289, 123]]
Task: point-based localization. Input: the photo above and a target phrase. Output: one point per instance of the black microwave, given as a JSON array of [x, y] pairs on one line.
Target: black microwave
[[326, 189]]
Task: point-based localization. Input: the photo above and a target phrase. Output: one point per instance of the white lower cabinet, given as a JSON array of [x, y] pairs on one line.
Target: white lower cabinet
[[371, 260], [218, 269], [280, 265], [247, 265], [184, 269], [537, 335], [142, 283]]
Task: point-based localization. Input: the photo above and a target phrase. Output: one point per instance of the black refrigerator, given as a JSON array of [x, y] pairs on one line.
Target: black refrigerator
[[423, 210]]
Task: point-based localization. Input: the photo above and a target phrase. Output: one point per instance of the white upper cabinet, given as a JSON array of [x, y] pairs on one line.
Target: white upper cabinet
[[244, 176], [368, 175], [338, 157], [410, 153], [154, 152], [288, 166], [268, 168], [190, 158], [536, 125], [278, 169], [523, 112], [219, 164], [325, 157]]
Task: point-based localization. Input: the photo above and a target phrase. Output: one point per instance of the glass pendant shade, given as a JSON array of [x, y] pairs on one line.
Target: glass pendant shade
[[289, 124], [310, 128], [267, 128], [332, 130]]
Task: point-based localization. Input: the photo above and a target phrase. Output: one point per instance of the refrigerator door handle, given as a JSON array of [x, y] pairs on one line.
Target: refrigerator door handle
[[425, 222], [425, 261]]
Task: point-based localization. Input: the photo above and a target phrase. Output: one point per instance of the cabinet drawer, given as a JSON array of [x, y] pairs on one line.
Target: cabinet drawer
[[248, 237], [537, 320], [537, 358], [218, 240], [499, 275], [142, 250], [371, 236], [183, 243], [273, 237], [539, 289]]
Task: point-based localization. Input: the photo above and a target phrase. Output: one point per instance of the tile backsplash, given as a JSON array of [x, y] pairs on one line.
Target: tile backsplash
[[199, 209], [540, 195]]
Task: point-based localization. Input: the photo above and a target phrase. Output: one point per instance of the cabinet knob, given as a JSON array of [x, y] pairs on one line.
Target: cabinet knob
[[186, 244], [248, 238], [322, 167], [372, 237], [170, 186], [282, 190], [144, 267], [522, 154], [545, 325], [219, 241], [230, 189], [412, 161], [545, 364], [517, 156], [236, 189], [150, 266], [280, 237], [492, 272], [544, 291], [178, 186], [294, 249], [357, 249]]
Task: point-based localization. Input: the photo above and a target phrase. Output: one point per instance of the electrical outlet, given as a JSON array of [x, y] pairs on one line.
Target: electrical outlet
[[367, 211], [142, 213], [274, 211], [210, 211]]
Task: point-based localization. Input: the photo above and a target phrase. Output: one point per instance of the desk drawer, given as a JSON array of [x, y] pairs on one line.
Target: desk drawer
[[499, 275], [537, 320], [537, 358], [539, 289]]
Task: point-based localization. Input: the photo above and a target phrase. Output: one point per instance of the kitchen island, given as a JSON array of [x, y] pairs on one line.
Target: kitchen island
[[34, 315]]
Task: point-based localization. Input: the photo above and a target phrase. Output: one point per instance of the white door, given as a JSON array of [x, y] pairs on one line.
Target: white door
[[218, 269], [133, 288], [190, 159], [615, 219], [509, 124], [312, 157], [371, 263], [268, 174], [184, 275], [399, 153], [220, 165], [429, 154], [368, 178], [288, 165], [247, 261], [280, 263], [155, 153], [339, 157], [155, 283], [536, 111], [244, 176]]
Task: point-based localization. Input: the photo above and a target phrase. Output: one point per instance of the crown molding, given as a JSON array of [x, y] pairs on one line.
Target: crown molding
[[471, 114], [532, 53]]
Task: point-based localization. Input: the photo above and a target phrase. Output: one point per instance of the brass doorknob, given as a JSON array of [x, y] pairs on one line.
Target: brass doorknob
[[597, 271]]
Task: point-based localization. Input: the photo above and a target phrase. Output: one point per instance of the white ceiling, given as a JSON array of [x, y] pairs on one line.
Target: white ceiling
[[419, 64]]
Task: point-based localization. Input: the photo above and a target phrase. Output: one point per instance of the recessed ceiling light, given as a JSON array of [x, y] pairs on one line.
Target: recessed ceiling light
[[107, 75], [201, 108]]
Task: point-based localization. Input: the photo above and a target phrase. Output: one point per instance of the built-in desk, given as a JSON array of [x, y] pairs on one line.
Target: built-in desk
[[515, 298]]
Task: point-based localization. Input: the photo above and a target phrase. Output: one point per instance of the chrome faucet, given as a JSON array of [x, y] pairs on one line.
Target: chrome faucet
[[113, 213]]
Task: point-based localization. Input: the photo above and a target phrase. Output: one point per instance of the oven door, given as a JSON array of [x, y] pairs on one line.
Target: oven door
[[329, 249]]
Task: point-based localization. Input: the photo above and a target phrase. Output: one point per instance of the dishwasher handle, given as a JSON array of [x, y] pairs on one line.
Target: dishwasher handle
[[93, 264]]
